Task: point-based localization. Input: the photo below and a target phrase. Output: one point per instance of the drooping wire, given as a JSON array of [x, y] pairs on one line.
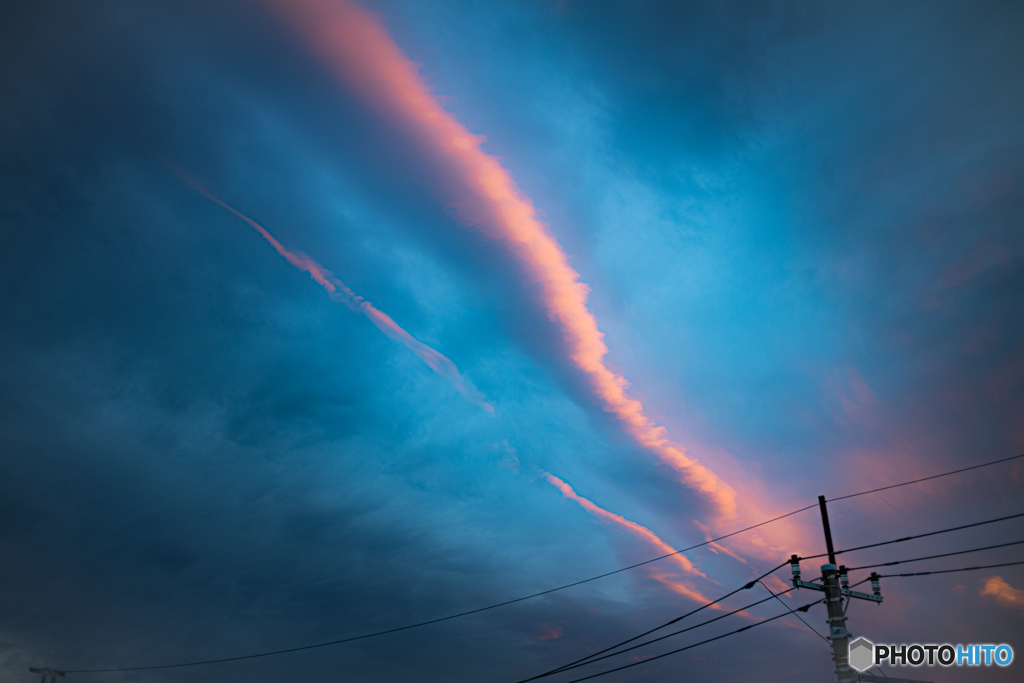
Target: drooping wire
[[934, 476], [667, 635], [813, 630], [452, 616], [690, 647], [534, 595], [911, 538], [932, 557], [594, 655], [951, 571]]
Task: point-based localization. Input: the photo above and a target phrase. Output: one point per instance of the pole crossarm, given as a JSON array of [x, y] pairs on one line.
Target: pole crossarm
[[845, 591]]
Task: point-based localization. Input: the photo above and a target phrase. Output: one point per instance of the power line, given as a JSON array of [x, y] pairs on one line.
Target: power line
[[577, 662], [951, 571], [690, 647], [660, 638], [440, 619], [835, 586], [813, 630], [935, 476], [932, 557], [534, 595], [910, 538]]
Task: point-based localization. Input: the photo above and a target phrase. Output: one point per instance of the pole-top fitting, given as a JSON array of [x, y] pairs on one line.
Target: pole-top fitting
[[794, 565], [828, 531], [844, 579], [875, 586]]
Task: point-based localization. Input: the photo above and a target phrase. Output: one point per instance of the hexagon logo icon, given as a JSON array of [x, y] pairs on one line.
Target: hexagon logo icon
[[862, 654]]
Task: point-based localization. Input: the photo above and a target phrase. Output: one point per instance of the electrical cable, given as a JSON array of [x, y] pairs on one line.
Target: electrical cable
[[690, 647], [899, 540], [434, 621], [569, 667], [932, 557], [911, 538], [935, 476], [534, 595], [813, 630], [573, 664], [951, 571]]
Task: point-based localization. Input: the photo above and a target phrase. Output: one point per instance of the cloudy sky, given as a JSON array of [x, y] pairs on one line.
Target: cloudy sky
[[323, 318]]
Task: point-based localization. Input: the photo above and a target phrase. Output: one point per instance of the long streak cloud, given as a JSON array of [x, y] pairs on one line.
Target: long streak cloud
[[644, 534], [339, 292], [361, 54]]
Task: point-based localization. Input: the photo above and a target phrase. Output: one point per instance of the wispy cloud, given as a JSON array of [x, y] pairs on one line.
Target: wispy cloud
[[368, 63], [339, 292], [644, 534]]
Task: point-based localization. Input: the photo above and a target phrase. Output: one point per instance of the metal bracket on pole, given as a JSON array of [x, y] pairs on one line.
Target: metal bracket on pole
[[844, 591], [794, 564]]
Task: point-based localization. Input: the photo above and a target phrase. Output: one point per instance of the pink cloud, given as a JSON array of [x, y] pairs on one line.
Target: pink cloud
[[1003, 593], [363, 57], [339, 292]]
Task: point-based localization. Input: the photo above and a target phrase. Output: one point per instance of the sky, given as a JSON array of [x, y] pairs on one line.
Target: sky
[[322, 318]]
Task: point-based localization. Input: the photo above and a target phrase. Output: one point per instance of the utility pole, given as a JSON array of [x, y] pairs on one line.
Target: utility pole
[[836, 585], [838, 635], [52, 673]]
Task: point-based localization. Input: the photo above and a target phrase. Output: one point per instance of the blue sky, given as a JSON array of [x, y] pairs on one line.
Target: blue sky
[[800, 225]]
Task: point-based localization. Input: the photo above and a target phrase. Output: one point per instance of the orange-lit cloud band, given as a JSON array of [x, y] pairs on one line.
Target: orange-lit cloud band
[[1003, 593], [643, 533], [358, 50], [339, 292]]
